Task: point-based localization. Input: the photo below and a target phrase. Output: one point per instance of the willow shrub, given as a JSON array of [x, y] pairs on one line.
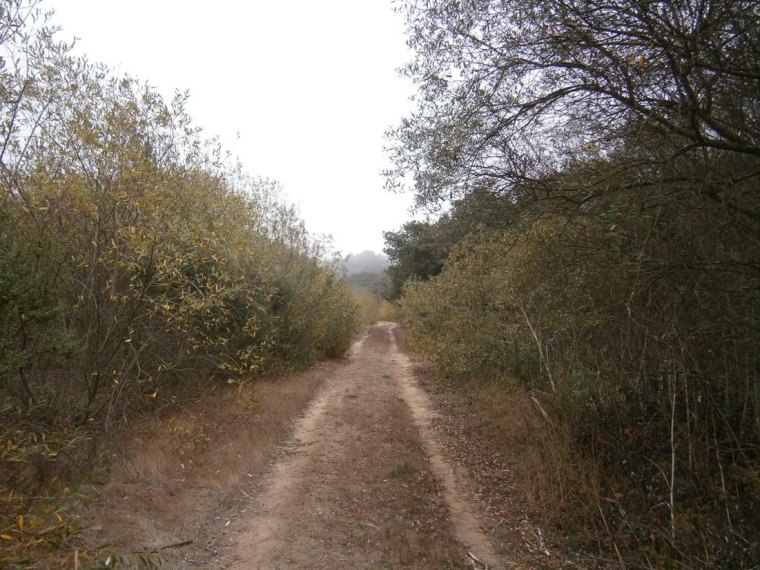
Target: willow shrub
[[168, 259], [631, 325], [134, 255], [316, 316]]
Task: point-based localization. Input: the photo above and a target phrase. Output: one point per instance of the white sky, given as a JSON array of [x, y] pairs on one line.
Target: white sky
[[310, 86]]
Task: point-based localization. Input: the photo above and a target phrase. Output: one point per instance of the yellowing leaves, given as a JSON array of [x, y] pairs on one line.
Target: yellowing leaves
[[156, 259]]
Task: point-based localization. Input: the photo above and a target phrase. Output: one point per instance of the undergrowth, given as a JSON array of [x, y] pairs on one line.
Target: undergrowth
[[135, 254]]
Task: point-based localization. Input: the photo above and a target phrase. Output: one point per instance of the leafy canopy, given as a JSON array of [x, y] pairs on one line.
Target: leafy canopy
[[517, 90]]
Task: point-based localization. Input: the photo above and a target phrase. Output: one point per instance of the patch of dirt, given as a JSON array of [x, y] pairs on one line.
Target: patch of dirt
[[353, 488], [184, 466], [370, 472], [504, 513], [452, 476]]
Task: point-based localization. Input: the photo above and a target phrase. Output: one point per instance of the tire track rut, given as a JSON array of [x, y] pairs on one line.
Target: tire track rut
[[362, 482]]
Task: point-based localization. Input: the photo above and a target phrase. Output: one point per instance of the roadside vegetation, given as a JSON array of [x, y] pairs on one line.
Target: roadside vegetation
[[135, 257], [594, 282], [365, 273]]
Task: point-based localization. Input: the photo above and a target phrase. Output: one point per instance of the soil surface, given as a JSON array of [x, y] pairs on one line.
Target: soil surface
[[366, 478], [363, 483]]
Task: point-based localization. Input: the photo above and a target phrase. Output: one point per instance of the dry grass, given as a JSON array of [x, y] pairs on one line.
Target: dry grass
[[368, 305], [388, 311], [188, 455], [550, 476], [219, 437], [547, 484]]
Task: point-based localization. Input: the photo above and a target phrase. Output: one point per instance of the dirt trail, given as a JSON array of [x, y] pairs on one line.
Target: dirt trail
[[466, 524], [363, 482]]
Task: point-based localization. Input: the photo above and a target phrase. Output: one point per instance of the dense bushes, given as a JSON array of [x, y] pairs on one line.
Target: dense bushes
[[162, 260], [619, 296], [632, 324], [133, 255]]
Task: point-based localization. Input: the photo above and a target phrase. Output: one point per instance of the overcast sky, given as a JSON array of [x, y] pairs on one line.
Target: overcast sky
[[309, 86]]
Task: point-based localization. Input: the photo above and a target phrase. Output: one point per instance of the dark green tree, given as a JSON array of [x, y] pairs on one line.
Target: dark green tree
[[418, 251], [416, 254]]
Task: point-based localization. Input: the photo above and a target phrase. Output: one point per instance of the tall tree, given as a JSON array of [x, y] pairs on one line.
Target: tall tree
[[516, 90]]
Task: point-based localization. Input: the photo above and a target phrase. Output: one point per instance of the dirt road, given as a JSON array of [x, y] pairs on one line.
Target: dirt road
[[363, 482]]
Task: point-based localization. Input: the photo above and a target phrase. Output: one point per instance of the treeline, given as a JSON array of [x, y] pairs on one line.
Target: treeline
[[600, 259], [134, 255]]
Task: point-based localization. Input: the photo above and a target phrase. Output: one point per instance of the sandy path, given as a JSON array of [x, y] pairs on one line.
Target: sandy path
[[363, 483]]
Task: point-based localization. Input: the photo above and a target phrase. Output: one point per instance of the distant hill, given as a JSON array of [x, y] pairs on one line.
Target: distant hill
[[366, 262], [366, 271]]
